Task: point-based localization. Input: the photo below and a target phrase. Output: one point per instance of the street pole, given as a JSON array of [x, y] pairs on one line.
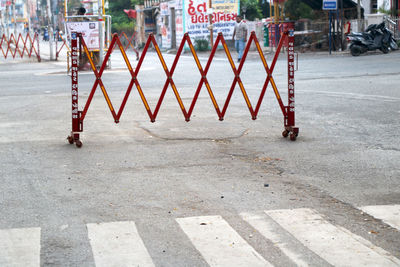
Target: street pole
[[101, 36], [50, 29], [7, 22], [1, 23], [358, 16], [28, 9], [211, 23], [14, 18], [342, 25]]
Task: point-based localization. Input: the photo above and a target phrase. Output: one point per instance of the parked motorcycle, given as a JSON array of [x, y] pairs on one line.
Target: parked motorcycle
[[376, 36]]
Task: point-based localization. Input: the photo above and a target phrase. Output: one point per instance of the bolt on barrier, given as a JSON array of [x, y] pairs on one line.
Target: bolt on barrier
[[11, 46], [288, 110]]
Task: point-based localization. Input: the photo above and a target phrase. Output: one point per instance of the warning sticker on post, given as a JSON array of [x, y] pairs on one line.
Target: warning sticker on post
[[89, 31]]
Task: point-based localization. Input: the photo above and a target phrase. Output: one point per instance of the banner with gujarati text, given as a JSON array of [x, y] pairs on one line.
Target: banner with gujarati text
[[196, 20]]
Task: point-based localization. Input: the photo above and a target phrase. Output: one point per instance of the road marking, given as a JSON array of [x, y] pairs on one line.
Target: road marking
[[334, 244], [219, 243], [353, 95], [262, 226], [117, 244], [389, 214], [20, 247]]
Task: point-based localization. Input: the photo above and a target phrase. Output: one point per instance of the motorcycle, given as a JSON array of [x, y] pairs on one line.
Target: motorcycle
[[376, 36]]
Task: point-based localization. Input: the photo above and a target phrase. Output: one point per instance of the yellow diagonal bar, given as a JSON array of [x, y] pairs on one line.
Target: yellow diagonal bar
[[211, 95], [125, 56], [90, 58], [95, 71], [261, 55], [106, 97], [195, 57], [142, 96], [160, 57], [246, 98], [275, 88], [229, 56], [177, 95]]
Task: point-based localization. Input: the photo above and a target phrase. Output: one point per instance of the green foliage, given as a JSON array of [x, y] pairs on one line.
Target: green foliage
[[264, 6], [137, 2], [295, 9], [201, 44], [251, 8], [119, 19]]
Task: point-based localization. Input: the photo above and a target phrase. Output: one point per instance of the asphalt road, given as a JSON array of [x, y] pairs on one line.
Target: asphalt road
[[160, 175]]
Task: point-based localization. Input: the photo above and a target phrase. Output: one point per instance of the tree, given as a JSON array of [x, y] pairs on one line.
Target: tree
[[295, 9], [251, 8], [120, 21]]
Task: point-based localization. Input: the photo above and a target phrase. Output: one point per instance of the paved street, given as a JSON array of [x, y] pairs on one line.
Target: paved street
[[204, 192]]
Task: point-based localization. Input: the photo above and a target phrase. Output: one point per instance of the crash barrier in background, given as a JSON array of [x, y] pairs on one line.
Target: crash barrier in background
[[20, 46], [276, 30], [288, 111], [59, 48], [129, 42]]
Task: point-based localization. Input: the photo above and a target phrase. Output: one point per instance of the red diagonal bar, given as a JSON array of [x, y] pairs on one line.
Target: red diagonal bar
[[36, 38], [133, 81], [228, 99], [3, 38], [17, 45], [236, 79], [169, 76], [98, 81], [9, 45], [269, 76], [167, 82], [203, 80]]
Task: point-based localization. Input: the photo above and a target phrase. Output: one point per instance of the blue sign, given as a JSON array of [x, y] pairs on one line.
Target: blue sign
[[329, 4], [73, 36]]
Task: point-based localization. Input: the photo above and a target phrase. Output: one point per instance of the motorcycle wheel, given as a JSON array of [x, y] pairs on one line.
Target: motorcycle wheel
[[355, 50], [393, 45], [385, 49]]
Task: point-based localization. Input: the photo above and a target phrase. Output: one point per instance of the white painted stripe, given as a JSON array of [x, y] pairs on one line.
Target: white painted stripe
[[219, 243], [117, 244], [20, 247], [390, 214], [334, 244], [262, 226]]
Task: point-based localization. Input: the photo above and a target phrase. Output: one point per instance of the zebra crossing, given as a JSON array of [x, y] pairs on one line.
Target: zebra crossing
[[120, 243]]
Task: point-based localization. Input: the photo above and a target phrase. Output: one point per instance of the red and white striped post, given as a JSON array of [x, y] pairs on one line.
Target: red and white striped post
[[76, 123], [290, 120]]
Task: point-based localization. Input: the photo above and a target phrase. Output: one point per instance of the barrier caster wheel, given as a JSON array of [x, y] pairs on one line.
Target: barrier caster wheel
[[293, 136], [78, 143], [285, 133], [70, 139]]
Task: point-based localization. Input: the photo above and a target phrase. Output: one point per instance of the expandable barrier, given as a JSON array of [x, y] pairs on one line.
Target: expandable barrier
[[12, 46], [288, 110], [64, 44], [130, 42]]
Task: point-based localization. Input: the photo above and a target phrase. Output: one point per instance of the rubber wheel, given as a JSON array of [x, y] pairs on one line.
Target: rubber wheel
[[293, 136], [70, 139], [385, 49], [393, 45], [355, 50], [78, 143], [285, 133]]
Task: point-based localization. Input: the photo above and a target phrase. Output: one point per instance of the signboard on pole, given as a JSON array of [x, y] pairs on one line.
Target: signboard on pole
[[89, 30], [329, 4]]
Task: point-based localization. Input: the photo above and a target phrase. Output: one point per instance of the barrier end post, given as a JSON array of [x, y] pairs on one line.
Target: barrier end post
[[290, 127], [77, 124]]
